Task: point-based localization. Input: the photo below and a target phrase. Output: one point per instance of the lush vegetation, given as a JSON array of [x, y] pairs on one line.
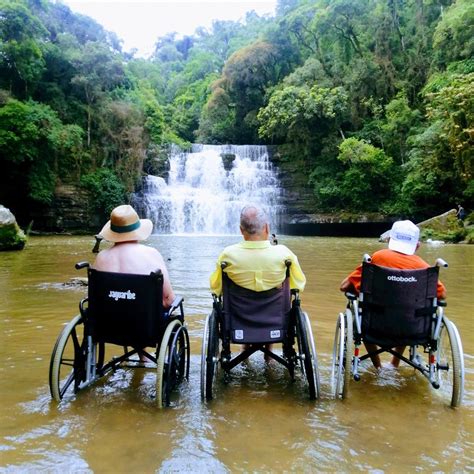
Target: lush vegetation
[[373, 100]]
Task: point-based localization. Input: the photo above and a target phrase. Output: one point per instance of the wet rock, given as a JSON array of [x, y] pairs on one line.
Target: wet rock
[[77, 282], [445, 227], [11, 236], [228, 160]]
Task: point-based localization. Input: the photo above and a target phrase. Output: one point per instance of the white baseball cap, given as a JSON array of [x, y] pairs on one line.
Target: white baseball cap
[[404, 236]]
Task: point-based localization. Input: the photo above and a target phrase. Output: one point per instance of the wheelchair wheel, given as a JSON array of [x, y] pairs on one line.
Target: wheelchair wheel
[[342, 356], [450, 363], [210, 357], [173, 361], [73, 364], [308, 352]]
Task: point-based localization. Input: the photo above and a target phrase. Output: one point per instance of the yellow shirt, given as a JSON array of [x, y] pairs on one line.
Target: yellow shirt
[[257, 266]]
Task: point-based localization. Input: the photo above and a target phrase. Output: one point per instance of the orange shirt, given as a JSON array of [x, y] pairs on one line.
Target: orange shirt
[[391, 259]]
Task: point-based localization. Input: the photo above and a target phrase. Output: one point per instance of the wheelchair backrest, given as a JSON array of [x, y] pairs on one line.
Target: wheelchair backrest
[[397, 305], [255, 316], [125, 309]]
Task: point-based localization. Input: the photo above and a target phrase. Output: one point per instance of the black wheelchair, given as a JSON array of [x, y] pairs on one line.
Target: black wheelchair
[[257, 319], [121, 310], [398, 308]]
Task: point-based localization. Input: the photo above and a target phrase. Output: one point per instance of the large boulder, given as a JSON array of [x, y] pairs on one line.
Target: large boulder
[[11, 236]]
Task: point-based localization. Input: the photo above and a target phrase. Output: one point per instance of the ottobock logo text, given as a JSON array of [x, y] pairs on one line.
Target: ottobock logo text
[[411, 279], [122, 295]]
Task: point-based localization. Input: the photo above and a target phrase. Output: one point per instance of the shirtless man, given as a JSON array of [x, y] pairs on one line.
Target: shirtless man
[[125, 230]]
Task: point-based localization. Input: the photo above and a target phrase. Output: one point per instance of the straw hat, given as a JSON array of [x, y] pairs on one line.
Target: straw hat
[[125, 225]]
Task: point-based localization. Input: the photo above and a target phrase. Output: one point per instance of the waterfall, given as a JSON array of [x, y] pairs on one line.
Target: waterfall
[[208, 186]]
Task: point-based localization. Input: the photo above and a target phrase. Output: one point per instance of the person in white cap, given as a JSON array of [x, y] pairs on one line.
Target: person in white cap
[[403, 243], [125, 229]]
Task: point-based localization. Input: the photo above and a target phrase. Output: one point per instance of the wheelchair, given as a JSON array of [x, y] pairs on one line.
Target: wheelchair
[[121, 310], [256, 319], [399, 308]]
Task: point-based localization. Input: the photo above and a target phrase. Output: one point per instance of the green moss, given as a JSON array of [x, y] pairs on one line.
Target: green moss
[[448, 229], [11, 237], [470, 235]]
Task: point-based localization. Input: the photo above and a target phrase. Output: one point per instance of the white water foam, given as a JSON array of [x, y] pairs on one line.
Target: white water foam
[[203, 196]]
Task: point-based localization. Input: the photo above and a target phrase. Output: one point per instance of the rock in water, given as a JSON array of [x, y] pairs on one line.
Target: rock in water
[[11, 236]]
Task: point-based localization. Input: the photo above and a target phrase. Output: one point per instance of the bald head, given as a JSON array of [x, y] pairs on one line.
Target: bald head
[[254, 223]]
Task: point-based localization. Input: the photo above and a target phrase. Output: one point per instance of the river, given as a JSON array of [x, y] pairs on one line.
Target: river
[[260, 422]]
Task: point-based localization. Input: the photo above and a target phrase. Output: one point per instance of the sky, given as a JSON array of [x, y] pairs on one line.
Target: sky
[[139, 23]]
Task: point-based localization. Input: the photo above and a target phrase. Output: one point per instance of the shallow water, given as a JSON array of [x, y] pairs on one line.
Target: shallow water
[[260, 422]]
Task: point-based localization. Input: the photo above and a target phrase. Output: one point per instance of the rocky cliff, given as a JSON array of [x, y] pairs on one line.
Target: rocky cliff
[[68, 213]]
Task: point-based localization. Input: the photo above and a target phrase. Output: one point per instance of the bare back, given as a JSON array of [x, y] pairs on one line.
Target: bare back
[[135, 258]]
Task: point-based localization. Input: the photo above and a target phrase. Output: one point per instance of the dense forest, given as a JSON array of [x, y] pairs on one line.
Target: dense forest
[[372, 101]]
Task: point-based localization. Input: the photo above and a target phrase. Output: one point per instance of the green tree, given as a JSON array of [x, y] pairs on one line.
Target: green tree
[[98, 71], [366, 182], [454, 34], [21, 54], [28, 139]]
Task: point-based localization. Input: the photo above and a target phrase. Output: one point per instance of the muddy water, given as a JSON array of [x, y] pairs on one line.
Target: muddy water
[[260, 422]]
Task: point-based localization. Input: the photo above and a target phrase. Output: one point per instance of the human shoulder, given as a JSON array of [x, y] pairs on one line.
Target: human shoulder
[[229, 250], [282, 249], [393, 259]]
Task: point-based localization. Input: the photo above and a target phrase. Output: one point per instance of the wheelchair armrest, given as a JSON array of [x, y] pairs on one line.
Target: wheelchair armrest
[[82, 308], [442, 303], [350, 296], [177, 302], [81, 265]]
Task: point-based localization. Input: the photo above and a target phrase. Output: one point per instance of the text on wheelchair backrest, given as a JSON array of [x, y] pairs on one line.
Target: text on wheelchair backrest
[[401, 279], [122, 295]]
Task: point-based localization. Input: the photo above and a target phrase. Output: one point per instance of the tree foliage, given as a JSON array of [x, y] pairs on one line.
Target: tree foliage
[[369, 101]]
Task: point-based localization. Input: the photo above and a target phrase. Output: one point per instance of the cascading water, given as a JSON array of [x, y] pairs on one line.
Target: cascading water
[[208, 187]]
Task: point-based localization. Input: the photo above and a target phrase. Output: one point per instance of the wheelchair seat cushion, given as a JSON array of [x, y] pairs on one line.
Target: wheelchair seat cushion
[[397, 305], [256, 317], [126, 309]]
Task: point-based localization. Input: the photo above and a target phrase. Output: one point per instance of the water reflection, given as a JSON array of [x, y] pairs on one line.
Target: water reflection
[[261, 421]]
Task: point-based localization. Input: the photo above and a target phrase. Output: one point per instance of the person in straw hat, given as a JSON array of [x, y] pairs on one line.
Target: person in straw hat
[[402, 245], [125, 229]]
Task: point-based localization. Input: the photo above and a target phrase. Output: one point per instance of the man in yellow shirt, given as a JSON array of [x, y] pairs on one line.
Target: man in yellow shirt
[[254, 263]]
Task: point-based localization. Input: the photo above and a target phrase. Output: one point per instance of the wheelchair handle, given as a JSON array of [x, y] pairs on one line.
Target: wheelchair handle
[[441, 263], [367, 258], [81, 265], [98, 240]]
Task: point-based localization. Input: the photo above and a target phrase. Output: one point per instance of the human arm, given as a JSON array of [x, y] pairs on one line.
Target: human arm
[[346, 285], [168, 293], [352, 282], [441, 291], [297, 277], [215, 279]]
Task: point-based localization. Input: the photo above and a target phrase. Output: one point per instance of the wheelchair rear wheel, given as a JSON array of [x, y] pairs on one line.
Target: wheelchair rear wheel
[[307, 352], [73, 364], [173, 361], [210, 357], [342, 356], [450, 363]]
